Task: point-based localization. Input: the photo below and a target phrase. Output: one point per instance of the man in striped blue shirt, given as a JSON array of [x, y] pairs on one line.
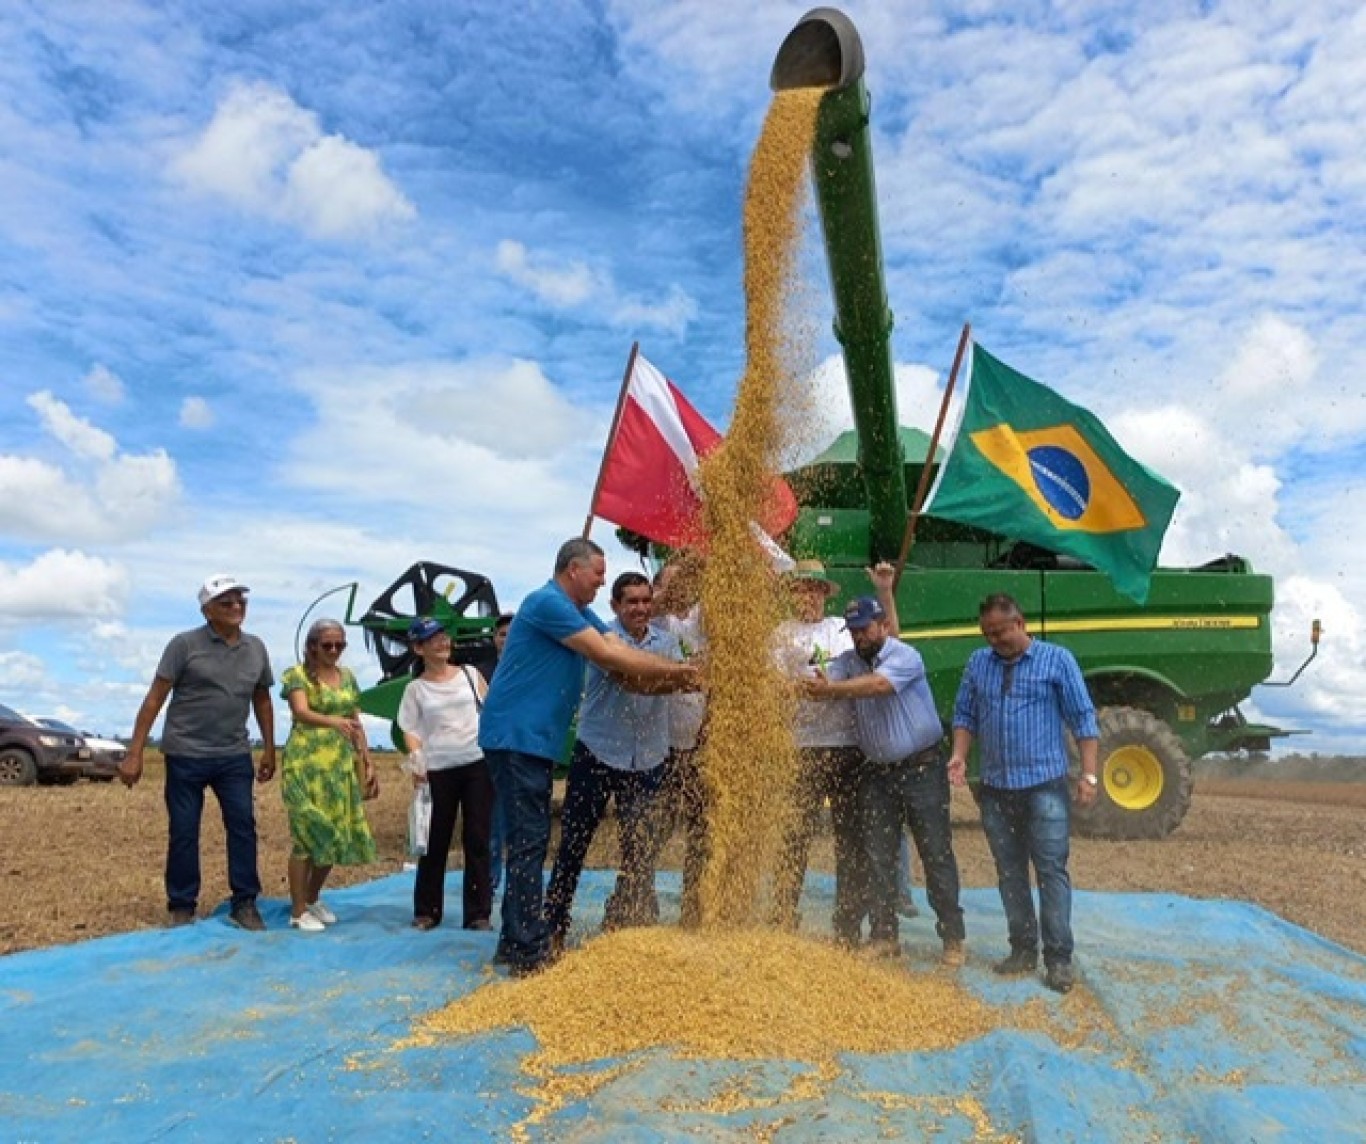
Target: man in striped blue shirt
[[1016, 698]]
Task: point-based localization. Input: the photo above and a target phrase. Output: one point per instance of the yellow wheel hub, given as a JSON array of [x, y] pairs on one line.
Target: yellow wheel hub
[[1133, 778]]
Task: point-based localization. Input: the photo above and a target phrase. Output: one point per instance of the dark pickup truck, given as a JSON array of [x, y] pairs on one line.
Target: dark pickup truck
[[30, 752]]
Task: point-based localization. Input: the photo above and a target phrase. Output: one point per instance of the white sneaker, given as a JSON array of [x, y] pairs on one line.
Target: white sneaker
[[307, 922], [322, 913]]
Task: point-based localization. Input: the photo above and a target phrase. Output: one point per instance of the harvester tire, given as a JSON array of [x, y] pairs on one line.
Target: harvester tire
[[1145, 779]]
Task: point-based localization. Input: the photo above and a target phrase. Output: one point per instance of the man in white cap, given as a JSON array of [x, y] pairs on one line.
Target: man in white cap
[[213, 675]]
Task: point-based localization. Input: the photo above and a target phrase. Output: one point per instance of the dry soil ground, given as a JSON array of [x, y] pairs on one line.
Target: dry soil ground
[[85, 860]]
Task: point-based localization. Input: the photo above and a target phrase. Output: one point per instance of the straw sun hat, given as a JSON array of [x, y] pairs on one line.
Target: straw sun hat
[[813, 571]]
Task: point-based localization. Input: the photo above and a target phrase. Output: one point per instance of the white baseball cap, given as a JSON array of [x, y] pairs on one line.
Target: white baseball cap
[[217, 584]]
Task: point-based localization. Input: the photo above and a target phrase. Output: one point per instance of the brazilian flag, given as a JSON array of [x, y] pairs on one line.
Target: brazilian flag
[[1030, 466]]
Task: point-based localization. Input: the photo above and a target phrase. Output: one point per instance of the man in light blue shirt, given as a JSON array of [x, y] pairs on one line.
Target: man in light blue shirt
[[526, 719], [623, 742], [1016, 698], [905, 780]]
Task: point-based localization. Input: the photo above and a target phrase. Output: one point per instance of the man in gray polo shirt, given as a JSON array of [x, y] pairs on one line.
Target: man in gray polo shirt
[[213, 676], [905, 778]]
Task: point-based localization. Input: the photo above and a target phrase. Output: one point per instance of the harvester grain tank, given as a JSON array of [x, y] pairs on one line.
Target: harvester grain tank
[[1167, 676]]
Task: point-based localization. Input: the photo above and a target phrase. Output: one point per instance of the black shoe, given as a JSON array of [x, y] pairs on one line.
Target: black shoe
[[182, 916], [246, 916], [1020, 962], [1059, 977], [519, 970], [483, 925]]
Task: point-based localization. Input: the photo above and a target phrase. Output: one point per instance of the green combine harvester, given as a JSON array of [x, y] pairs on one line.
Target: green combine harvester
[[1167, 676]]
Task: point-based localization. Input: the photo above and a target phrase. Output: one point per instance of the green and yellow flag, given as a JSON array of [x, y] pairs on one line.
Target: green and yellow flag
[[1031, 466]]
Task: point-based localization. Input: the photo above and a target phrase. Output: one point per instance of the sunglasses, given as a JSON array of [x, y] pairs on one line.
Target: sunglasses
[[329, 645], [231, 601], [1007, 677]]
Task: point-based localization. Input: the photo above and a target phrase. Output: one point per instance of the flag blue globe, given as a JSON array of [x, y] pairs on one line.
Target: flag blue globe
[[1061, 480]]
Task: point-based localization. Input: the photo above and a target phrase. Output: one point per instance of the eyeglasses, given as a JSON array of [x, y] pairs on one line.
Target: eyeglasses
[[1007, 677], [330, 646]]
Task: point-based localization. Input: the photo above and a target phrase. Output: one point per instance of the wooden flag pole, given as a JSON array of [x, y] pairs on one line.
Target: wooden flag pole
[[922, 488], [611, 435]]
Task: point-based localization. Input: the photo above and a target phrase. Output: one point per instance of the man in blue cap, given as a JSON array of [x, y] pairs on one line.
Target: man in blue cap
[[905, 777]]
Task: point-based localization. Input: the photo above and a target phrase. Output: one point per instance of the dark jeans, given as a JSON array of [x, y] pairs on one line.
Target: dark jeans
[[1033, 825], [497, 845], [456, 788], [591, 783], [232, 779], [918, 795], [682, 801], [523, 784], [833, 773]]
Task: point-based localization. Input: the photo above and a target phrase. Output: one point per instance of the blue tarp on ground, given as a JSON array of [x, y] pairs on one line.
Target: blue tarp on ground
[[1212, 1021]]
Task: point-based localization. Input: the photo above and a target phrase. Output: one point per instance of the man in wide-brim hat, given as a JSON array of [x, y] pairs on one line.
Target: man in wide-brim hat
[[829, 761]]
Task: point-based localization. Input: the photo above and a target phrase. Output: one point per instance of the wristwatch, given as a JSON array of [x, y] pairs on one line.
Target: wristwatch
[[1094, 780]]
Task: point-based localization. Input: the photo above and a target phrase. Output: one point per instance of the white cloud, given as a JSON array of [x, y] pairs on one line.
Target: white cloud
[[97, 494], [196, 413], [104, 385], [76, 433], [269, 156], [20, 671], [62, 584], [562, 286], [568, 284]]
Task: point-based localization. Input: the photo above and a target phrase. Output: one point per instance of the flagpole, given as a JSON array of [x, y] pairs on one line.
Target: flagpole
[[611, 435], [923, 487]]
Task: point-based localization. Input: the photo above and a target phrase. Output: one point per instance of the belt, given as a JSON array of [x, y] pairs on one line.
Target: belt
[[926, 758]]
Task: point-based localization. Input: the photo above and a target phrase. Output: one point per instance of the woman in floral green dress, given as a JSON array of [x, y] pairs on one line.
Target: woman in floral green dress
[[326, 772]]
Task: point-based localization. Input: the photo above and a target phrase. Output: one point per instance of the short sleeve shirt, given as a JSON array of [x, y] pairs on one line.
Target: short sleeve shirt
[[212, 684], [539, 681], [893, 727], [804, 649], [625, 730]]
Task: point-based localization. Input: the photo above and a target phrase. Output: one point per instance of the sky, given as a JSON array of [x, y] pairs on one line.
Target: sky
[[307, 292]]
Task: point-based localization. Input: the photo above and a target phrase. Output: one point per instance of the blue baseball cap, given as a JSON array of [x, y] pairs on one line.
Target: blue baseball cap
[[423, 628], [862, 612]]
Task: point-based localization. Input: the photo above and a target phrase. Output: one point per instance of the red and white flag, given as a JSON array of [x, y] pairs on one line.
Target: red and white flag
[[649, 481]]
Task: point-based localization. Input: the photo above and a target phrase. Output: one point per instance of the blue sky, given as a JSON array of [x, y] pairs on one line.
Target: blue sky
[[308, 292]]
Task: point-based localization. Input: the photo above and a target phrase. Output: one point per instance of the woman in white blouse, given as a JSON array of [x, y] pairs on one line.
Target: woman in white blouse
[[439, 718]]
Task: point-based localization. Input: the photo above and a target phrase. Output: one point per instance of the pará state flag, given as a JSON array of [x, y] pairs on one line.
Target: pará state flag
[[649, 480], [1031, 466]]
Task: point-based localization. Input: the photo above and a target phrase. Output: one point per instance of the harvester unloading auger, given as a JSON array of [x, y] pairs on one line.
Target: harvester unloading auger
[[1167, 675]]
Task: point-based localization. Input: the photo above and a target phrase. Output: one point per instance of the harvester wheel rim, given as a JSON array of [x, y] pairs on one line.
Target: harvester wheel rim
[[1133, 777]]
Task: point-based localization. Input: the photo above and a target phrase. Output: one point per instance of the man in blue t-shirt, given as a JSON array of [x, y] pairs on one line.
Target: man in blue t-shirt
[[526, 719]]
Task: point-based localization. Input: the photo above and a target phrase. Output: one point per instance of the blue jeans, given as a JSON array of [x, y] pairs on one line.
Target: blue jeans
[[591, 783], [917, 795], [522, 786], [1024, 826], [232, 779]]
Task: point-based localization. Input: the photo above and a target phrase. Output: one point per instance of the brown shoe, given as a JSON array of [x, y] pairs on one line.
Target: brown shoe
[[955, 955], [424, 923], [882, 947], [246, 916], [183, 916], [483, 924]]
